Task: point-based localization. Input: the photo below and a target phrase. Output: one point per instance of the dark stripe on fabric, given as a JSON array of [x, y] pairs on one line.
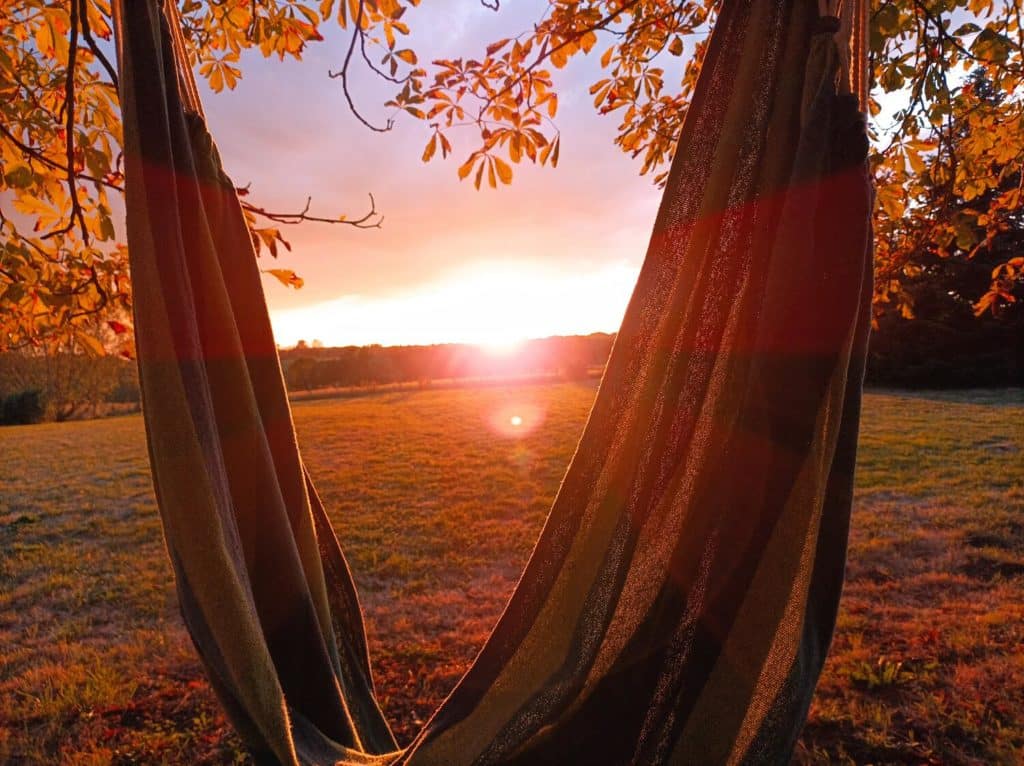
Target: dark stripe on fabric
[[618, 383], [786, 419]]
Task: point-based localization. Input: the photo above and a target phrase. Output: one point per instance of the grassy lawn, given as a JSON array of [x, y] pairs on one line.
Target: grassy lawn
[[95, 666]]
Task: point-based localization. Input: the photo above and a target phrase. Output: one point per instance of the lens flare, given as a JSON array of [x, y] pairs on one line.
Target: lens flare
[[516, 419]]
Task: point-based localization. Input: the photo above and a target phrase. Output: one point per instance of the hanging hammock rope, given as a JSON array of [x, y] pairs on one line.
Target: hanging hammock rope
[[681, 597]]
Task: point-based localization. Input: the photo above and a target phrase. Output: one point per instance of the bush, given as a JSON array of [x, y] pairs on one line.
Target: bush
[[126, 392], [958, 352], [23, 408]]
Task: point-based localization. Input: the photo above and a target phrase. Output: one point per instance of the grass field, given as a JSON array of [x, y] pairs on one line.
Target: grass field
[[95, 666]]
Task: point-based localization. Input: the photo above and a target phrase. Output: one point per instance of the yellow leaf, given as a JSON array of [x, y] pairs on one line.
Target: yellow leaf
[[466, 167], [287, 277], [515, 148], [97, 15], [530, 147], [44, 38], [504, 170], [915, 160], [231, 75], [216, 79], [431, 148], [29, 204], [90, 344], [353, 10], [496, 46], [239, 16], [891, 201], [407, 56]]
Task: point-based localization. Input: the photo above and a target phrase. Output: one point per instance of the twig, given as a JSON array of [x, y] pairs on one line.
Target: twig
[[87, 34], [943, 34], [548, 53], [371, 220], [342, 73], [102, 304], [69, 124], [36, 154], [373, 67]]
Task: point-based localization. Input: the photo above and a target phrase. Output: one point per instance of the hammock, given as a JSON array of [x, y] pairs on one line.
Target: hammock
[[681, 598]]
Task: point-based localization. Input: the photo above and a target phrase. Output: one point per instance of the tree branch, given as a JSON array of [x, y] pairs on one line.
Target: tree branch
[[87, 34], [342, 74], [370, 220], [69, 125], [373, 67], [38, 155], [545, 54]]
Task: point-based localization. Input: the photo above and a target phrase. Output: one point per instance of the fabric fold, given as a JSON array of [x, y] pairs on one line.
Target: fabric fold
[[680, 600]]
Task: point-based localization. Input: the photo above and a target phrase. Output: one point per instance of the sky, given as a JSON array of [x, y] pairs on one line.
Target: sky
[[555, 253]]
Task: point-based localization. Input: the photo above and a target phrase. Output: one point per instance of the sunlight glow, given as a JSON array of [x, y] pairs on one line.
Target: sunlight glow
[[517, 418], [494, 305], [503, 346]]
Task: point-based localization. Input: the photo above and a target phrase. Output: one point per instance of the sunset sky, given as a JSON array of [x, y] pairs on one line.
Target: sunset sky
[[555, 253]]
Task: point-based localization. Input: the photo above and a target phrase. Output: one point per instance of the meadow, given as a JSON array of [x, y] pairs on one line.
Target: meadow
[[437, 497]]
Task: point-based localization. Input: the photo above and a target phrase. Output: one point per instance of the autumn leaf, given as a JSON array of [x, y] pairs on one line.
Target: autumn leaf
[[431, 147], [90, 343], [286, 277], [504, 170], [497, 46], [466, 168], [955, 141], [407, 56]]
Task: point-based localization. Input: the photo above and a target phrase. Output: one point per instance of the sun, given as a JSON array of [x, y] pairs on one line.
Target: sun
[[501, 345], [496, 307]]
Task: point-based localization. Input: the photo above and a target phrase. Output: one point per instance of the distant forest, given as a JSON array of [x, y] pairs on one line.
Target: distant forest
[[569, 357], [945, 346]]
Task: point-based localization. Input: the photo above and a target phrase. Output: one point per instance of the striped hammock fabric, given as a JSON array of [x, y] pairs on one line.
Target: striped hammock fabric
[[680, 601]]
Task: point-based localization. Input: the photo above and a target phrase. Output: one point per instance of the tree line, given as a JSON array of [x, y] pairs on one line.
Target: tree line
[[567, 358], [945, 346]]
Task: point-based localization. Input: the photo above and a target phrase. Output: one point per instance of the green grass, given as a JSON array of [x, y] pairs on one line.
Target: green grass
[[96, 668]]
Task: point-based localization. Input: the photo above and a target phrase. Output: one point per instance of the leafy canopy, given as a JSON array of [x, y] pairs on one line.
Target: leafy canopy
[[947, 160]]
